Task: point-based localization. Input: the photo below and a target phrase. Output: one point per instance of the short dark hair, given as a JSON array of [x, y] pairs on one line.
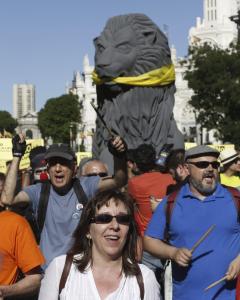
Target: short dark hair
[[81, 242], [145, 157], [175, 157]]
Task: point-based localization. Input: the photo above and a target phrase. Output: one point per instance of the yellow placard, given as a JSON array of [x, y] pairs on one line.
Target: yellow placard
[[6, 152], [219, 148], [81, 155]]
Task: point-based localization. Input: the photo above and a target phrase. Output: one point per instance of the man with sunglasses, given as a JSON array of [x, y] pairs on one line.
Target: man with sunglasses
[[63, 208], [93, 167], [199, 204]]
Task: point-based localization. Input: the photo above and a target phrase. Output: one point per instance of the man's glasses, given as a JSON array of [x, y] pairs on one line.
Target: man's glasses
[[123, 219], [100, 174], [205, 164]]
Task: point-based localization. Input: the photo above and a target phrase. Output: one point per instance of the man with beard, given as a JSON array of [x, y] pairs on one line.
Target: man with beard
[[200, 203]]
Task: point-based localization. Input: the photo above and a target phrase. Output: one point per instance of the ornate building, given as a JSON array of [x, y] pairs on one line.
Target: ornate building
[[217, 29], [83, 86]]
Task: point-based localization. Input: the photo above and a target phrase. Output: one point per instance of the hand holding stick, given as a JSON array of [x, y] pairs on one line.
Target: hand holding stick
[[215, 283], [202, 238]]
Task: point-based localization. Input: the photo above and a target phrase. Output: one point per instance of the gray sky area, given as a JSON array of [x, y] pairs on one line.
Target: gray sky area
[[44, 42]]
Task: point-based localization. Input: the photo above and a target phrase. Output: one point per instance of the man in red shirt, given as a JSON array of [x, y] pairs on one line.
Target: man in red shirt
[[150, 182]]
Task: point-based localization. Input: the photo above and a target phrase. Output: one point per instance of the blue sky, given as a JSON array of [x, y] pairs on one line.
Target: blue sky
[[43, 42]]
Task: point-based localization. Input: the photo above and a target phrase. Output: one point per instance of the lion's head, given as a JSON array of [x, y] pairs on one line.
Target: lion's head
[[130, 45]]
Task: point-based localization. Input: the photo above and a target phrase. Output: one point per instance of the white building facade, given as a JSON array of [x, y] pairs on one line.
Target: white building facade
[[83, 86], [216, 29], [23, 99]]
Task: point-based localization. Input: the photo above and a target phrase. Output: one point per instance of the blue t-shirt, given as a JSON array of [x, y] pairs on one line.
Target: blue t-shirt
[[190, 219], [62, 217]]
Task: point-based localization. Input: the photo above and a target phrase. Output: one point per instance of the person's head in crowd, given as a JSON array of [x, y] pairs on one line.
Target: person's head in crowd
[[145, 158], [93, 167], [2, 180], [203, 166], [38, 164], [131, 165], [230, 160], [175, 165], [107, 230], [61, 166]]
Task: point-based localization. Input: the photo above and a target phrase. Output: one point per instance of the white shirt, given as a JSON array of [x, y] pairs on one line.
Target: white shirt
[[81, 286]]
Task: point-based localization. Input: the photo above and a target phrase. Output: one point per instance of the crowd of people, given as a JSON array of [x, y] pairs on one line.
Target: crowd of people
[[148, 231]]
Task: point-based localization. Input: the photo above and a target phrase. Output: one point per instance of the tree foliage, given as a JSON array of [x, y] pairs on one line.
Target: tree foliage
[[7, 122], [214, 75], [57, 116]]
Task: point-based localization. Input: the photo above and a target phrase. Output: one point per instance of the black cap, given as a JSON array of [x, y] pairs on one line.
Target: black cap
[[60, 150], [38, 161], [202, 150]]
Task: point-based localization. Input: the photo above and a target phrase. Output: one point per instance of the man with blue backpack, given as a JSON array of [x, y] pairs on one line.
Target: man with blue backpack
[[183, 217]]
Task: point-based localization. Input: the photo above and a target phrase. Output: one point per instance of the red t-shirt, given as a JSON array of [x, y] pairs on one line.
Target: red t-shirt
[[141, 188], [18, 248]]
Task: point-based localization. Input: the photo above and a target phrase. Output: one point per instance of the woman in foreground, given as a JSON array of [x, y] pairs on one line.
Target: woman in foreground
[[104, 257]]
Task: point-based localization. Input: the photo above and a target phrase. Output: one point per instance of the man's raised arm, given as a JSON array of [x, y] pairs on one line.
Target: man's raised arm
[[7, 197], [118, 148]]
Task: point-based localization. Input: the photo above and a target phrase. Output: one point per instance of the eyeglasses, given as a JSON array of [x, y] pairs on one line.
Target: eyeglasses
[[123, 219], [205, 164], [100, 174]]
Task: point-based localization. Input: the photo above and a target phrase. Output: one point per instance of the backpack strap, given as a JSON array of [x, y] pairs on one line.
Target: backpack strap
[[43, 204], [140, 282], [171, 201], [78, 189], [65, 272]]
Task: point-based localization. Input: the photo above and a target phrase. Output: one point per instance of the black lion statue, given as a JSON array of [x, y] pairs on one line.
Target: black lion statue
[[135, 79]]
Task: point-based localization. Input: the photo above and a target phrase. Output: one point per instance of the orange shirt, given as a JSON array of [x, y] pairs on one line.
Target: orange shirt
[[141, 188], [18, 248]]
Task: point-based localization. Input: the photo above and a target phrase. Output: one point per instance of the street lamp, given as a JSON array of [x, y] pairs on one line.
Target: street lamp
[[236, 19]]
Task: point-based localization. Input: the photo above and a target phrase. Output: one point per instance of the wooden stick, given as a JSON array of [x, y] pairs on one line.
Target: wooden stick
[[202, 238], [215, 283]]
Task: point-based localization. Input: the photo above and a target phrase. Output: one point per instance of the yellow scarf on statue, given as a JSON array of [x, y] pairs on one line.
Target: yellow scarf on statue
[[159, 77]]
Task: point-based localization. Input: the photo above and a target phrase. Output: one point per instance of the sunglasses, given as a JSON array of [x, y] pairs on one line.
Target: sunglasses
[[100, 174], [123, 219], [205, 164]]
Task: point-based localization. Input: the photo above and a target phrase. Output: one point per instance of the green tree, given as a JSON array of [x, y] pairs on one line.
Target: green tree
[[214, 75], [58, 115], [7, 122]]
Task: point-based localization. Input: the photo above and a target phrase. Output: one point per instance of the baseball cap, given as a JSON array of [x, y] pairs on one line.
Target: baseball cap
[[201, 150], [60, 150], [38, 161], [228, 155]]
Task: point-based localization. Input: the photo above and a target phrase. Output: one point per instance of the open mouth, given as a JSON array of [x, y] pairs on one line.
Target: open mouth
[[59, 178], [112, 237]]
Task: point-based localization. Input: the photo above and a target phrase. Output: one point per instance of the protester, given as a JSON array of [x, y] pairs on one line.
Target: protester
[[230, 160], [62, 212], [18, 252], [104, 250], [150, 183], [201, 203], [93, 167]]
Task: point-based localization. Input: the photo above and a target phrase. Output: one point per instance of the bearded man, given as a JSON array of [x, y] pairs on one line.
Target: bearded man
[[199, 204]]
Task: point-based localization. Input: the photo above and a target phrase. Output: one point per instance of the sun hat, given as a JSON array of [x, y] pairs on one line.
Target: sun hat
[[228, 155], [201, 150]]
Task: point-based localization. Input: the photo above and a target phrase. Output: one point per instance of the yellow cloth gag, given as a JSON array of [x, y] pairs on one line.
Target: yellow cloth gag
[[159, 77]]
